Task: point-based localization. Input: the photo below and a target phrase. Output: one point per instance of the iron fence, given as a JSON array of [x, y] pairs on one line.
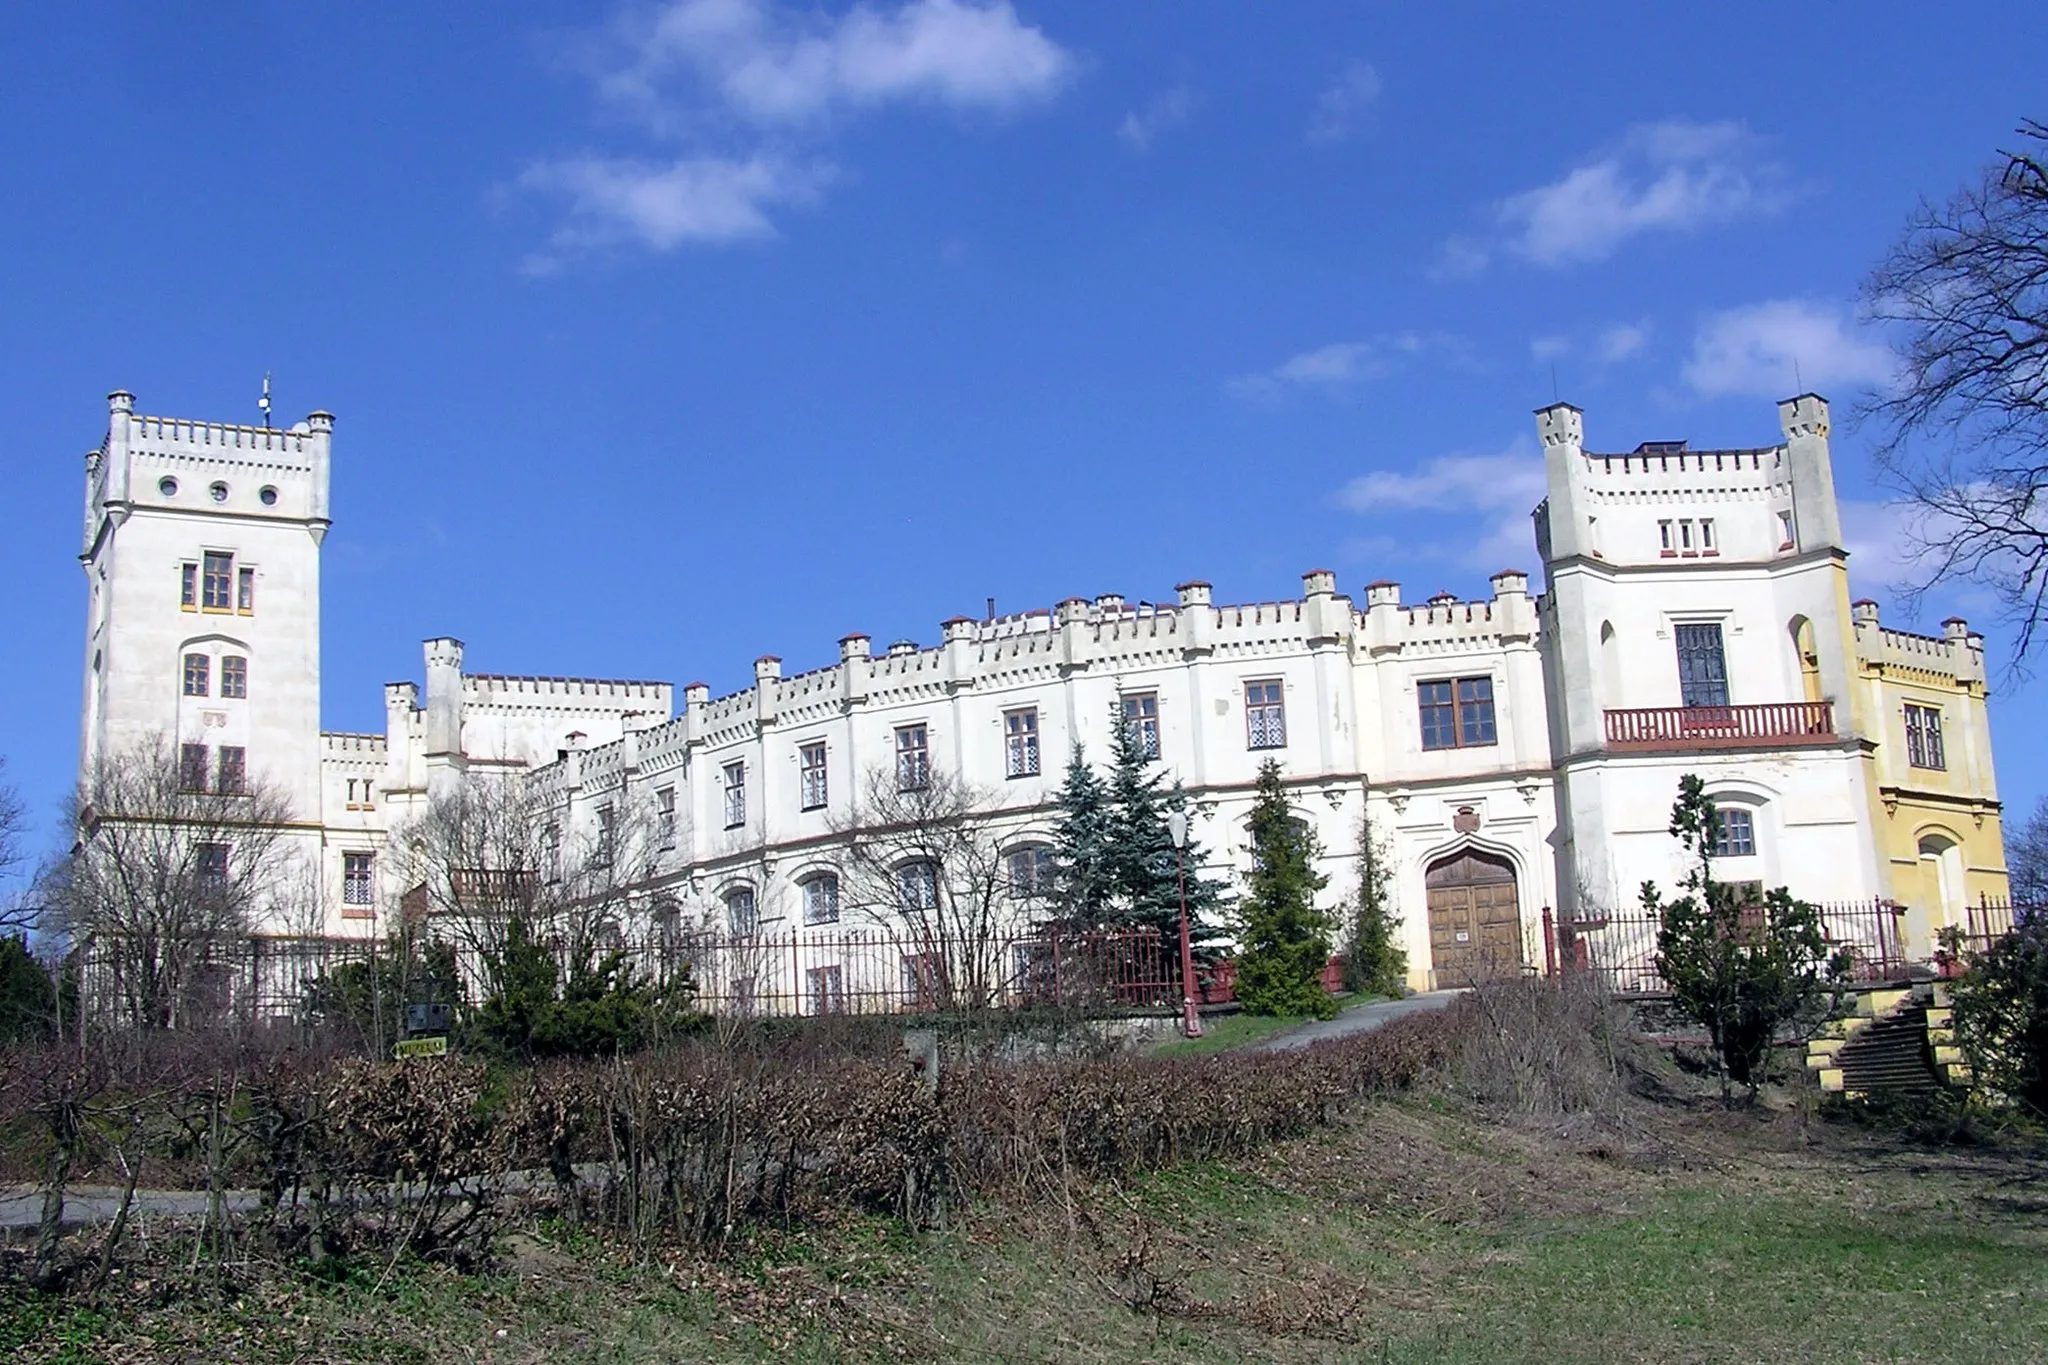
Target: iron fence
[[1621, 946]]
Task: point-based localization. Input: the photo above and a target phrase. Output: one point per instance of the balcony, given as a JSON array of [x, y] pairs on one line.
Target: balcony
[[1774, 725]]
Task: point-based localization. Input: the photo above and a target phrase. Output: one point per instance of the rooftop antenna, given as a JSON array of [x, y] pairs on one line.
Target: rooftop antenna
[[1798, 379], [263, 403], [1553, 383]]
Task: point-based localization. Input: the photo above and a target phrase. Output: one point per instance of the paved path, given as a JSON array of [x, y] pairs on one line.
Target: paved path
[[1363, 1019], [21, 1206]]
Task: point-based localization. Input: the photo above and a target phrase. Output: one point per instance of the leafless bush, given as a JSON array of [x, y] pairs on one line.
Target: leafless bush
[[1549, 1047]]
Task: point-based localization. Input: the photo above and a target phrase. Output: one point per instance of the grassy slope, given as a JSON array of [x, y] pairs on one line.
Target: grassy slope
[[1416, 1233]]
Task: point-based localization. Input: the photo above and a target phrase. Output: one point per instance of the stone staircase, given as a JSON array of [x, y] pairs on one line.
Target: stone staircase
[[1898, 1041]]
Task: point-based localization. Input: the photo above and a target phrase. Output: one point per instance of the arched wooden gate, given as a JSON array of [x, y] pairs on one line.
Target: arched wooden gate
[[1475, 920]]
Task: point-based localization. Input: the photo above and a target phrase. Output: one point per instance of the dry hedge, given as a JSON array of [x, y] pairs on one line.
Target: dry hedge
[[694, 1143]]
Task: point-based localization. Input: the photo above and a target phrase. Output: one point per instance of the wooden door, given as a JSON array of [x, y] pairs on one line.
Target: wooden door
[[1475, 921]]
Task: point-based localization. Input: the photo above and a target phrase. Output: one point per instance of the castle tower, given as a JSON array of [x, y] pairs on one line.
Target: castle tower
[[202, 562]]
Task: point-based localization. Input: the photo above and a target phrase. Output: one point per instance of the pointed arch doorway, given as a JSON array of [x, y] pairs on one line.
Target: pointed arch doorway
[[1475, 919]]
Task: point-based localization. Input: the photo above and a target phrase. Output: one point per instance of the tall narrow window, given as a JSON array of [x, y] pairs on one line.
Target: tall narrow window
[[1788, 539], [1685, 541], [358, 880], [1702, 670], [810, 765], [735, 795], [827, 989], [245, 591], [741, 917], [1456, 713], [821, 899], [234, 676], [607, 836], [551, 852], [1707, 545], [188, 586], [1665, 544], [1923, 738], [234, 770], [193, 762], [665, 816], [1141, 718], [216, 582], [913, 758], [1265, 716], [1020, 739], [197, 683]]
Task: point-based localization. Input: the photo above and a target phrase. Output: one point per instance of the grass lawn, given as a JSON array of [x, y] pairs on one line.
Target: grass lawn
[[1415, 1231], [1228, 1031]]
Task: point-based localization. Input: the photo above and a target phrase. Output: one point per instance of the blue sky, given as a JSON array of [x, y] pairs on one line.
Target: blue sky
[[668, 335]]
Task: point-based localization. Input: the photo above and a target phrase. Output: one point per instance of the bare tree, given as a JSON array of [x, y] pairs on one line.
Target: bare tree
[[168, 878], [15, 911], [923, 860], [1965, 431]]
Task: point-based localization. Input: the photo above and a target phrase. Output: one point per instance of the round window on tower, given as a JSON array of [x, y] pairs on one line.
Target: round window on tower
[[167, 486], [268, 495], [219, 491]]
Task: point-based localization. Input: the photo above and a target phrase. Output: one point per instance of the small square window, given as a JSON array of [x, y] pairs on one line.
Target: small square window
[[197, 680], [234, 676]]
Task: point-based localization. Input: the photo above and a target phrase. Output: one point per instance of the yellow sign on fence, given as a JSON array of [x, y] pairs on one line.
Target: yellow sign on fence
[[421, 1047]]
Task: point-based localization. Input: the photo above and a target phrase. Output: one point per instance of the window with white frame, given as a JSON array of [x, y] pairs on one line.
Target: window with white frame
[[740, 914], [1020, 742], [358, 880], [1923, 737], [1707, 544], [665, 817], [1667, 539], [735, 794], [913, 758], [1141, 719], [245, 591], [1734, 832], [821, 899], [917, 886], [1265, 716], [811, 786]]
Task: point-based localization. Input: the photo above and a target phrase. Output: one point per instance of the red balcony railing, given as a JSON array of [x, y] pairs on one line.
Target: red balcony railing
[[1722, 727]]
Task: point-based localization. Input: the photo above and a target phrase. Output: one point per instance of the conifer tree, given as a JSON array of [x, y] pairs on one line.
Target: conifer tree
[[1283, 939], [1083, 887], [1144, 867], [1374, 961]]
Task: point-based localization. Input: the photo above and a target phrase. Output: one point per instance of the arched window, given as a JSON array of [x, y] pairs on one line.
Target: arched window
[[1031, 871], [821, 898], [741, 917], [917, 886]]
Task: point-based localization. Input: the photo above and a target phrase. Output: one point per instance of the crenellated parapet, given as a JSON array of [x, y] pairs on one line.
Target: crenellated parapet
[[1956, 656]]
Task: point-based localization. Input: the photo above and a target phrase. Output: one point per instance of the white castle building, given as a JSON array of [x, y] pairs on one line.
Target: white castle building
[[1517, 753]]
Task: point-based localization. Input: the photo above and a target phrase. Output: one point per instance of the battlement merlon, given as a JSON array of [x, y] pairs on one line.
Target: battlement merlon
[[1957, 653]]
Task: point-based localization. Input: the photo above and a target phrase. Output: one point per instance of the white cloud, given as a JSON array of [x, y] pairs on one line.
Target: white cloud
[[773, 67], [1344, 105], [1675, 176], [1340, 366], [1454, 483], [1460, 258], [1549, 347], [662, 205], [1622, 340], [1168, 110], [1776, 348]]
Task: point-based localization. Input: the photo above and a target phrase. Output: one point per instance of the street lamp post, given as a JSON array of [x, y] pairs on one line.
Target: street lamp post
[[1191, 1018]]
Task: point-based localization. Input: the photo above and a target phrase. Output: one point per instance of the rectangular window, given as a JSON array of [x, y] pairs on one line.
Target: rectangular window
[[245, 591], [827, 988], [606, 836], [1665, 544], [735, 795], [1685, 543], [193, 763], [810, 766], [211, 862], [1787, 538], [551, 852], [741, 915], [1141, 718], [1265, 716], [234, 676], [216, 582], [921, 980], [821, 899], [358, 879], [234, 770], [913, 758], [917, 886], [1020, 740], [1702, 670], [1923, 738], [1707, 545], [1031, 872], [665, 816], [196, 681], [1734, 833], [188, 586], [1456, 713]]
